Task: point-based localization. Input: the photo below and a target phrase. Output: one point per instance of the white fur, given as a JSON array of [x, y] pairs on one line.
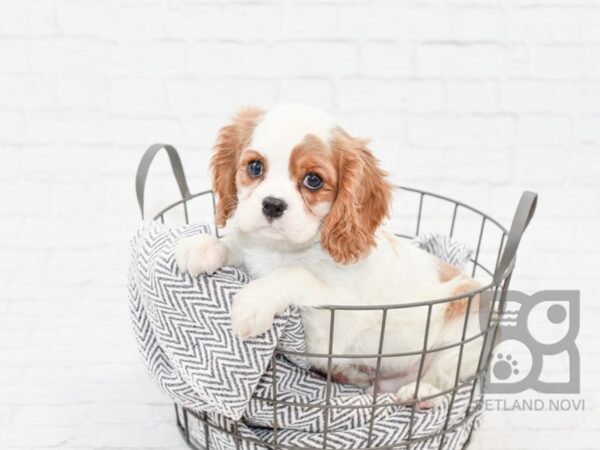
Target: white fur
[[289, 266]]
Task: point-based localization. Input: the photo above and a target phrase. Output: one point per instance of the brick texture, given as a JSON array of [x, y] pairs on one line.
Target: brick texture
[[474, 99]]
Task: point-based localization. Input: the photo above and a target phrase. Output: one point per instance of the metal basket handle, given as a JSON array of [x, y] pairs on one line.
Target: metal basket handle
[[144, 166], [523, 215]]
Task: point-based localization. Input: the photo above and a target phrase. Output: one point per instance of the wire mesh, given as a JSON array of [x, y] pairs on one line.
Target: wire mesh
[[497, 286], [488, 238]]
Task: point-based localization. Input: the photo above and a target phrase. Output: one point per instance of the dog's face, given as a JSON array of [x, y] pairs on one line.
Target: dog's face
[[290, 177]]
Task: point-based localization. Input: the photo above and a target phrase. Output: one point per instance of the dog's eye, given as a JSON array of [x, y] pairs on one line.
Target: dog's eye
[[255, 168], [312, 181]]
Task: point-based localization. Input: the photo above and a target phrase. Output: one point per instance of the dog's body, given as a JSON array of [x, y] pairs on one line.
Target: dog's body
[[303, 203]]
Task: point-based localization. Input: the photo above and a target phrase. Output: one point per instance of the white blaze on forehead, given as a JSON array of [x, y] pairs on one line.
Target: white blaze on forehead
[[285, 126]]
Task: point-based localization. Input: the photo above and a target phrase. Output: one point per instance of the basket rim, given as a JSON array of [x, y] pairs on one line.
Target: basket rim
[[401, 187], [493, 284]]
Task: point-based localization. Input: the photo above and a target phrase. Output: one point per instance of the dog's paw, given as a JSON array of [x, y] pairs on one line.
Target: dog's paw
[[252, 312], [406, 395], [203, 253]]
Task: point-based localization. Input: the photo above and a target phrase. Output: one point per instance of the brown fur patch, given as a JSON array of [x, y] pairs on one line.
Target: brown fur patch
[[313, 155], [458, 308], [362, 200], [447, 271], [232, 139], [459, 283]]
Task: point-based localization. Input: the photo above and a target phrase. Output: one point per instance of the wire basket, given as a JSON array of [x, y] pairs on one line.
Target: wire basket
[[492, 264]]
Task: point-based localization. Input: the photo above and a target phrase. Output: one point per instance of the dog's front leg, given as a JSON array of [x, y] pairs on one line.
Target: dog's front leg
[[255, 305]]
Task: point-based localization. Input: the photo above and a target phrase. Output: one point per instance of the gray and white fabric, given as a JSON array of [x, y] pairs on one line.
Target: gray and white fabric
[[183, 329]]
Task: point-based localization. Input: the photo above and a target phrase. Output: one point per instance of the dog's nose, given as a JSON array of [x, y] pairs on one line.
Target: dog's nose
[[273, 207]]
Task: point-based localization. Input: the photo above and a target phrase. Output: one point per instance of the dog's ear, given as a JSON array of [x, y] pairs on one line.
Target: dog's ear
[[232, 139], [362, 201]]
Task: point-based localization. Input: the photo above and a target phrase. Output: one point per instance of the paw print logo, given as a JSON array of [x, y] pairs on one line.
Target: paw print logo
[[533, 330], [512, 362], [505, 367]]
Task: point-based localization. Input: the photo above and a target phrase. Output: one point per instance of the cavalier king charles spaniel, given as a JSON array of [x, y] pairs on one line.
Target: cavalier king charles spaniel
[[303, 203]]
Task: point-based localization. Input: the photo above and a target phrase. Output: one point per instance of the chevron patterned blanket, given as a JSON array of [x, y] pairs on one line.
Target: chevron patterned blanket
[[183, 331]]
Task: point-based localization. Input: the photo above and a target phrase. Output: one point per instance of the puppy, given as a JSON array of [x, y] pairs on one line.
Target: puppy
[[303, 203]]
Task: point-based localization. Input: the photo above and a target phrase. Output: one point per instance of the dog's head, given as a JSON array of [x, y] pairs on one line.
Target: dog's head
[[291, 177]]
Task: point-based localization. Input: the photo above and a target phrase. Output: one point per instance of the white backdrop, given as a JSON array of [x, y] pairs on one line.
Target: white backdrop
[[476, 99]]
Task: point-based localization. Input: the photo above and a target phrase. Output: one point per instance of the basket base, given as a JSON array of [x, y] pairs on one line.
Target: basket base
[[184, 431]]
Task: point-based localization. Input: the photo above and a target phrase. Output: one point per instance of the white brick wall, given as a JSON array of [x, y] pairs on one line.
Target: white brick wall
[[477, 99]]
